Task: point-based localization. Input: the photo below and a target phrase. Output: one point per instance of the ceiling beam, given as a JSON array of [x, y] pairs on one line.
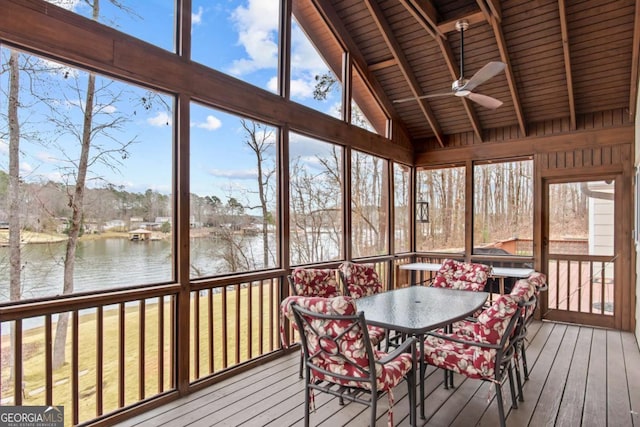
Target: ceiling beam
[[403, 64], [449, 59], [633, 93], [567, 61], [508, 71], [382, 64], [473, 18], [428, 13], [332, 20]]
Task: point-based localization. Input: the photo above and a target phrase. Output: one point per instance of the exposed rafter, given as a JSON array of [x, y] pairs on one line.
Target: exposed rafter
[[403, 64], [333, 21], [633, 93], [429, 14], [504, 56], [567, 61], [447, 54]]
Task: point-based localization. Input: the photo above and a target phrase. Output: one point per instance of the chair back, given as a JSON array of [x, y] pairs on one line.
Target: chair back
[[461, 275], [314, 282], [496, 323], [359, 280], [335, 340]]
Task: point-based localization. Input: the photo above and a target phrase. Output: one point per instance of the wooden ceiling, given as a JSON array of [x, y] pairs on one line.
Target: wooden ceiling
[[565, 61]]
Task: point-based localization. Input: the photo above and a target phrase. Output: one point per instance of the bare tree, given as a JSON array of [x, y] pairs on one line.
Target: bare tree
[[260, 139]]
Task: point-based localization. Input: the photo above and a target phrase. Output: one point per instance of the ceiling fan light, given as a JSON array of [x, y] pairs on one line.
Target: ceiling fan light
[[462, 92]]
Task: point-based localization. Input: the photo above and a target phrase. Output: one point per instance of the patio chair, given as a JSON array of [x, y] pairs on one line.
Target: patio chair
[[359, 280], [340, 359], [539, 282], [485, 353], [461, 275], [313, 282]]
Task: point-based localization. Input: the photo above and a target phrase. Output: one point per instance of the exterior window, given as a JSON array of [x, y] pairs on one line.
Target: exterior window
[[503, 208], [365, 110], [440, 210], [402, 215], [92, 178], [316, 211], [233, 193], [315, 79], [238, 38], [369, 205], [151, 21]]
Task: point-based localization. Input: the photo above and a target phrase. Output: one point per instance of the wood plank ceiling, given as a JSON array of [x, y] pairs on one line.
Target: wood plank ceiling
[[565, 60]]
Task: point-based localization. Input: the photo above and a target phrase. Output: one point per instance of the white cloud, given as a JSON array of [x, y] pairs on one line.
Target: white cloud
[[4, 147], [211, 123], [108, 109], [234, 174], [196, 18], [257, 26], [160, 119], [65, 4], [304, 56], [45, 157], [302, 87], [25, 168]]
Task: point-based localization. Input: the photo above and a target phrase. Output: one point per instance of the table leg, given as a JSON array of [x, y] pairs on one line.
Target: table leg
[[501, 279], [421, 379]]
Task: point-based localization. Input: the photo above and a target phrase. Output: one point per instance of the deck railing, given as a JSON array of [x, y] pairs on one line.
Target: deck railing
[[581, 284], [119, 351], [121, 345]]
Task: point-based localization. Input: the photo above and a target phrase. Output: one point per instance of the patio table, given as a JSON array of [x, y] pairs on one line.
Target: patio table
[[498, 272], [416, 310]]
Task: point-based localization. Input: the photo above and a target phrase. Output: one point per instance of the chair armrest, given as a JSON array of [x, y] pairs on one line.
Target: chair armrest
[[528, 303], [402, 348], [466, 342]]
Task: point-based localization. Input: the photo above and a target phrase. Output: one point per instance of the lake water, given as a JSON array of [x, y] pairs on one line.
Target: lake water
[[100, 264]]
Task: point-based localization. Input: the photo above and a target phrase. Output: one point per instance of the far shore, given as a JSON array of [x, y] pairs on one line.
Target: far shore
[[28, 237]]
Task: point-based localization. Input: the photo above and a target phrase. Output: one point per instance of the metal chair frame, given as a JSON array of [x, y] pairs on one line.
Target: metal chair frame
[[353, 394]]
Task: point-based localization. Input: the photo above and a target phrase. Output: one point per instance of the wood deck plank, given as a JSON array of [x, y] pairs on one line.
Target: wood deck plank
[[618, 405], [570, 410], [595, 399], [632, 367], [576, 373], [539, 373], [556, 381]]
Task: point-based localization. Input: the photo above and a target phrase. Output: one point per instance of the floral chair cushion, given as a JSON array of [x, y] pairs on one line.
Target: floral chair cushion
[[522, 292], [355, 361], [493, 321], [315, 282], [539, 280], [461, 275], [471, 361], [360, 279], [468, 359], [376, 334]]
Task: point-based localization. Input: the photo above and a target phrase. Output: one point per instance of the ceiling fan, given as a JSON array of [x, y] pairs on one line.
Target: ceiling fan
[[464, 87]]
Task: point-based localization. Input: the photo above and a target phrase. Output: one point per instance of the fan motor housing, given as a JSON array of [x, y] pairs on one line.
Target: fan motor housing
[[458, 87]]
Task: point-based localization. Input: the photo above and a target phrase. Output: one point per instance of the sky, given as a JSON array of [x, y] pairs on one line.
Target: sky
[[236, 37]]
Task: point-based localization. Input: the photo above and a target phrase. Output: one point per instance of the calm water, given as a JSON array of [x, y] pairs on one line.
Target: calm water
[[100, 264]]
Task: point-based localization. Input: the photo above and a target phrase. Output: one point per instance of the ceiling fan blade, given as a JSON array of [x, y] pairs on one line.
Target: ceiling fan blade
[[484, 74], [432, 95], [484, 100]]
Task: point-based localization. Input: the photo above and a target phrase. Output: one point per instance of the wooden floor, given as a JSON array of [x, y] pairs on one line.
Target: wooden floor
[[579, 377]]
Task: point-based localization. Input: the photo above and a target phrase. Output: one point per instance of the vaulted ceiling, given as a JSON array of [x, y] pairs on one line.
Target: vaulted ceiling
[[566, 60]]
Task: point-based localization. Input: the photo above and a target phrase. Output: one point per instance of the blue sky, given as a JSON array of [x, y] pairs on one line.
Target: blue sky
[[237, 37]]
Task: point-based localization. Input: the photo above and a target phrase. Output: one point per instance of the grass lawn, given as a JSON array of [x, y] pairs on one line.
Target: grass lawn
[[33, 350]]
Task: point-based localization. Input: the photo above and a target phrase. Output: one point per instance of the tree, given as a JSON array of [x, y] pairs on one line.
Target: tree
[[259, 138], [98, 144]]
